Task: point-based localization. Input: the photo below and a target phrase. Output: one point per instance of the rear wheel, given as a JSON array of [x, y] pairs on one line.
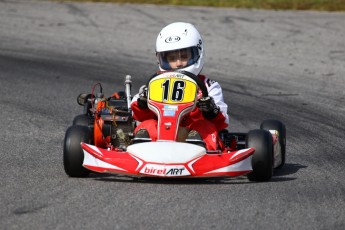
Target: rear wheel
[[262, 160], [280, 127], [85, 120], [73, 155], [81, 119]]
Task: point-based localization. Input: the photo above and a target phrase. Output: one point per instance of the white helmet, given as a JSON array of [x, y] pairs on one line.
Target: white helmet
[[178, 36]]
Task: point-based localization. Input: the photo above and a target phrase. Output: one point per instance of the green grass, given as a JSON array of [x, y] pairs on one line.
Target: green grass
[[324, 5]]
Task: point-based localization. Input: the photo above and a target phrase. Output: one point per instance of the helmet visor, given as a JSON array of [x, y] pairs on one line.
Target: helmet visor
[[178, 59]]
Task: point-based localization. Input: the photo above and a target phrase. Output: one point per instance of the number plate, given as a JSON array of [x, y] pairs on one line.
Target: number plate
[[172, 88]]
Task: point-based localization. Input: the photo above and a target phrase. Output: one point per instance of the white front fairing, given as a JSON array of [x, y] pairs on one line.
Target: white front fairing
[[167, 159], [166, 152]]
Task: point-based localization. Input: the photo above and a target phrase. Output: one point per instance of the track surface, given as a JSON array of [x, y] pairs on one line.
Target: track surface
[[271, 64]]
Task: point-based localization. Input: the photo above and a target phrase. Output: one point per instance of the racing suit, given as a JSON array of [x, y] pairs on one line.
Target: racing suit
[[207, 128]]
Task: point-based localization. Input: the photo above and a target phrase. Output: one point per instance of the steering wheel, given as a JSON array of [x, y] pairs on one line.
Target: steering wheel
[[200, 83]]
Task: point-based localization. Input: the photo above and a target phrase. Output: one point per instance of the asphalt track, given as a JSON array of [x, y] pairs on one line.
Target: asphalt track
[[271, 64]]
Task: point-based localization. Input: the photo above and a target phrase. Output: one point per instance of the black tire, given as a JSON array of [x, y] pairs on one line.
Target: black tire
[[280, 127], [73, 155], [262, 160], [81, 119]]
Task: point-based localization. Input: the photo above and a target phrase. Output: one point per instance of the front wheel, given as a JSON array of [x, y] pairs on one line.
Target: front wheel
[[73, 155], [262, 160]]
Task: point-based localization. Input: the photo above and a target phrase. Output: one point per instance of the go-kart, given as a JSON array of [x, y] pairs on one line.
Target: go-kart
[[101, 139]]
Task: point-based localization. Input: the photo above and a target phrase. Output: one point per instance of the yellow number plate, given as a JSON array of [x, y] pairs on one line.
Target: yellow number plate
[[173, 89]]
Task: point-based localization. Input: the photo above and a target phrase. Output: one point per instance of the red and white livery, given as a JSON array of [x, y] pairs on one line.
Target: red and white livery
[[171, 95]]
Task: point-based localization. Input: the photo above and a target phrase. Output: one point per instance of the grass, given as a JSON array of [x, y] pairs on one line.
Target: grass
[[322, 5]]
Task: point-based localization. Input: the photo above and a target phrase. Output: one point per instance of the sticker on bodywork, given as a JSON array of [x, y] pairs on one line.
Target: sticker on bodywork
[[170, 110], [165, 170]]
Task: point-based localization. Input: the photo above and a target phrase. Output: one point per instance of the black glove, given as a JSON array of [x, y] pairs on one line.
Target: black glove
[[142, 100], [208, 107]]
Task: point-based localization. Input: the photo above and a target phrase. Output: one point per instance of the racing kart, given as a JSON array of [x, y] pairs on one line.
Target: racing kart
[[101, 139]]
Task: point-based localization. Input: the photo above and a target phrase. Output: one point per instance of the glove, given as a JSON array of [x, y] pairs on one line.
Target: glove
[[142, 100], [208, 107]]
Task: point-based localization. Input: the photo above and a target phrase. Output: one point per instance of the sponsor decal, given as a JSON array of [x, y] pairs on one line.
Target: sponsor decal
[[169, 113], [172, 39], [175, 75], [178, 75], [165, 170], [170, 107], [210, 82], [214, 138], [170, 110], [199, 45]]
